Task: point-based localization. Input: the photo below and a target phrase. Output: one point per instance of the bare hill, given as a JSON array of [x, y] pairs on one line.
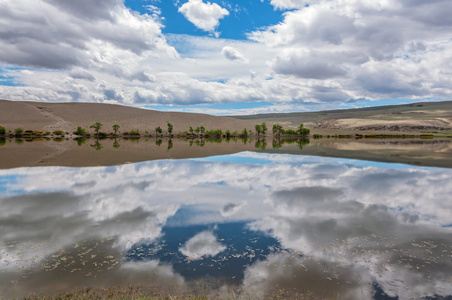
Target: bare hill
[[67, 116], [406, 118]]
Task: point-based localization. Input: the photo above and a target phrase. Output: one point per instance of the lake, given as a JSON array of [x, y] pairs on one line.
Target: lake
[[228, 220]]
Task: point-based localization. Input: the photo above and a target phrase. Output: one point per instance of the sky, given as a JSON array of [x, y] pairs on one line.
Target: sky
[[226, 57]]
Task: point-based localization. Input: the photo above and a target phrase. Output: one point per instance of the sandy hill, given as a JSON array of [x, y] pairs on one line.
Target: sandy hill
[[410, 117], [67, 116]]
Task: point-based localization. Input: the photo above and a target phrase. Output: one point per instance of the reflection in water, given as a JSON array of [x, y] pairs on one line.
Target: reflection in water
[[263, 223], [278, 143], [97, 145], [116, 144]]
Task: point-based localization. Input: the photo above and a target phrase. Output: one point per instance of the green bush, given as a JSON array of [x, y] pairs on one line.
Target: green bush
[[217, 132], [2, 130], [18, 131], [80, 131], [134, 132]]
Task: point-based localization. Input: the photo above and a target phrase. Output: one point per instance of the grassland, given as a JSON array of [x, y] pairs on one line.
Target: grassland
[[424, 117]]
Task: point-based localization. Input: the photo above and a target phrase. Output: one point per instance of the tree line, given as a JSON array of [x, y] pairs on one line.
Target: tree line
[[200, 131]]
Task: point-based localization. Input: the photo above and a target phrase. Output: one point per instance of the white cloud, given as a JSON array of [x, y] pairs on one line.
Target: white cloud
[[233, 54], [202, 245], [205, 16], [56, 35], [365, 50]]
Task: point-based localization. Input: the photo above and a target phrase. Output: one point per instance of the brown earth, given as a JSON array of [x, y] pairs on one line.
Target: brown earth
[[68, 116], [413, 118]]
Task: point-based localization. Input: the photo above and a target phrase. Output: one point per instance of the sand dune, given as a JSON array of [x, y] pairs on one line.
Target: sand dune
[[67, 116]]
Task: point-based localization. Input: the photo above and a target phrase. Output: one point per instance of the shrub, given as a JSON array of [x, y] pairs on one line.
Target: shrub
[[2, 130], [33, 133], [217, 132], [18, 131], [80, 131], [102, 135], [58, 132], [290, 131], [134, 132]]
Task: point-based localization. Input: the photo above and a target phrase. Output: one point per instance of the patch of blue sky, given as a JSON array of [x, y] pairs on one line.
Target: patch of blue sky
[[301, 160], [236, 159], [6, 80], [244, 17], [9, 184]]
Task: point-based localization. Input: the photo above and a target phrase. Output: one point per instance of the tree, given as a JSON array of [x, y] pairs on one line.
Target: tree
[[264, 128], [115, 128], [303, 131], [97, 126], [170, 128], [258, 129], [158, 130], [2, 130], [191, 130], [202, 130], [277, 130]]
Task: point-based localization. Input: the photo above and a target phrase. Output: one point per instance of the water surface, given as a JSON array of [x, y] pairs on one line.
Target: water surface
[[254, 223]]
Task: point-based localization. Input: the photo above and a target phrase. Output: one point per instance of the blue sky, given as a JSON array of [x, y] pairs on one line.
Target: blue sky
[[226, 57], [244, 17]]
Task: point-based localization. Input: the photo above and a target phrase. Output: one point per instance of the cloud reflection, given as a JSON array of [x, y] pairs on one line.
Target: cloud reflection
[[344, 224], [202, 245]]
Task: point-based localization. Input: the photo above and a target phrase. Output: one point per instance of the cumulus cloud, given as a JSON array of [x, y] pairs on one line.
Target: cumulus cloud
[[201, 245], [360, 40], [56, 35], [205, 16], [366, 50], [82, 74], [233, 54]]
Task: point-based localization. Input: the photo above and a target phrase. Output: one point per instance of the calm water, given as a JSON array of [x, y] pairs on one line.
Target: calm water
[[252, 223]]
